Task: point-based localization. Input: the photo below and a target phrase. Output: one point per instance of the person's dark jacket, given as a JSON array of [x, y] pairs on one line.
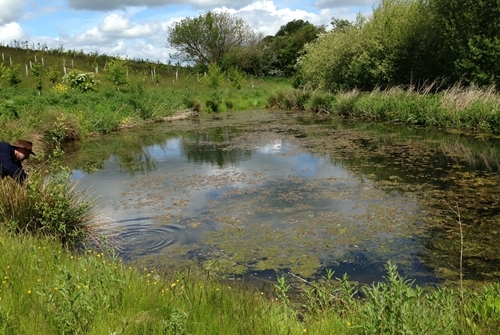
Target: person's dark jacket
[[9, 165]]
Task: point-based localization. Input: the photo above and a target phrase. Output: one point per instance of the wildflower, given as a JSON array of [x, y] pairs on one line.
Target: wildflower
[[348, 324], [305, 330], [29, 291], [173, 285]]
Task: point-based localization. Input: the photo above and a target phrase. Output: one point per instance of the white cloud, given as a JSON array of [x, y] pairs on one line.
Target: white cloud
[[117, 4], [344, 3], [267, 19], [10, 32], [114, 23], [11, 10]]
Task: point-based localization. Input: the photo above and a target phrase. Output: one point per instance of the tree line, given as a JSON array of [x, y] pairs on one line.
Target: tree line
[[402, 43]]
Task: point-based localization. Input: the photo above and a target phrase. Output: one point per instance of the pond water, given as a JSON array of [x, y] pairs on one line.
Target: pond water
[[267, 192]]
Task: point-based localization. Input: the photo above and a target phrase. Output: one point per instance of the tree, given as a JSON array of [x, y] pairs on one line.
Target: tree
[[116, 72], [13, 76], [208, 37], [36, 69], [286, 45], [53, 74], [468, 40]]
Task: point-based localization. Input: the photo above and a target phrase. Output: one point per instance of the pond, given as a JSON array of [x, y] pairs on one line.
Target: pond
[[263, 193]]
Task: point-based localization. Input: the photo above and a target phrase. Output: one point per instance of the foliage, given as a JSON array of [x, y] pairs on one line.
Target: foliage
[[59, 128], [53, 74], [282, 49], [36, 69], [209, 37], [116, 72], [83, 81], [249, 58], [236, 78], [215, 77], [47, 204], [368, 53], [13, 76], [407, 42], [468, 44], [468, 108]]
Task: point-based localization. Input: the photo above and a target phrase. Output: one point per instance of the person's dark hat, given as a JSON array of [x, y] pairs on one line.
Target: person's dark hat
[[24, 145]]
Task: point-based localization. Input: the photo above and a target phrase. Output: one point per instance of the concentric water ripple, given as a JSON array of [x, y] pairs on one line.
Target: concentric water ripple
[[143, 239]]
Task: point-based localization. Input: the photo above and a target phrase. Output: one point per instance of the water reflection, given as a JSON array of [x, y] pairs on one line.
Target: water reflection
[[255, 196]]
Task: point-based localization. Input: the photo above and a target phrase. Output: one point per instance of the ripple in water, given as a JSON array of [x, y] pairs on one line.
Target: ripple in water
[[140, 239]]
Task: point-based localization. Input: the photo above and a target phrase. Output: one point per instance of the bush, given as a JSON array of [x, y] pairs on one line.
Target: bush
[[84, 81]]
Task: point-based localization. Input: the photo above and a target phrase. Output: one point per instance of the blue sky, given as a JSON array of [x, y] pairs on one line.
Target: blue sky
[[138, 28]]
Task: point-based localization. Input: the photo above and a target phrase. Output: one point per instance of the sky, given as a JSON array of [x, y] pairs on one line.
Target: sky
[[137, 29]]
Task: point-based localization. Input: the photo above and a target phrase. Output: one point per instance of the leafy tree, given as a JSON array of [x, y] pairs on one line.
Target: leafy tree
[[340, 24], [215, 76], [249, 59], [285, 46], [389, 48], [13, 76], [207, 38], [36, 69], [468, 40], [116, 72], [53, 74], [235, 77]]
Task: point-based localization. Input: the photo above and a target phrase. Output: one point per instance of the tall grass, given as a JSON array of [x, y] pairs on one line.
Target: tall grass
[[47, 290], [48, 203], [457, 107]]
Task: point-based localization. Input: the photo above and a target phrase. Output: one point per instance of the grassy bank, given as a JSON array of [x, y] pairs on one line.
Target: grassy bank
[[469, 109], [47, 290]]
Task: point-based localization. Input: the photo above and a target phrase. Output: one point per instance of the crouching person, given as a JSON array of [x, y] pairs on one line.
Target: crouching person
[[11, 157]]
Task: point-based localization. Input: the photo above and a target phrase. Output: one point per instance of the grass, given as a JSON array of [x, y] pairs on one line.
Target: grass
[[470, 109], [46, 204], [46, 289]]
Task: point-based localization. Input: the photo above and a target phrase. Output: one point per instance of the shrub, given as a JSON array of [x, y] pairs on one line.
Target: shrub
[[84, 81]]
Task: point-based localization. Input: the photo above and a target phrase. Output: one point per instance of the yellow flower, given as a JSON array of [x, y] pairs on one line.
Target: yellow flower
[[173, 285], [305, 330], [29, 291], [348, 324]]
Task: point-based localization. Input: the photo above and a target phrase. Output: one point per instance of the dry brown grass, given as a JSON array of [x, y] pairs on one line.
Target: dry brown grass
[[459, 98]]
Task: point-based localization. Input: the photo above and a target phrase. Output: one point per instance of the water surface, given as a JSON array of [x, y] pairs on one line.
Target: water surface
[[269, 192]]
